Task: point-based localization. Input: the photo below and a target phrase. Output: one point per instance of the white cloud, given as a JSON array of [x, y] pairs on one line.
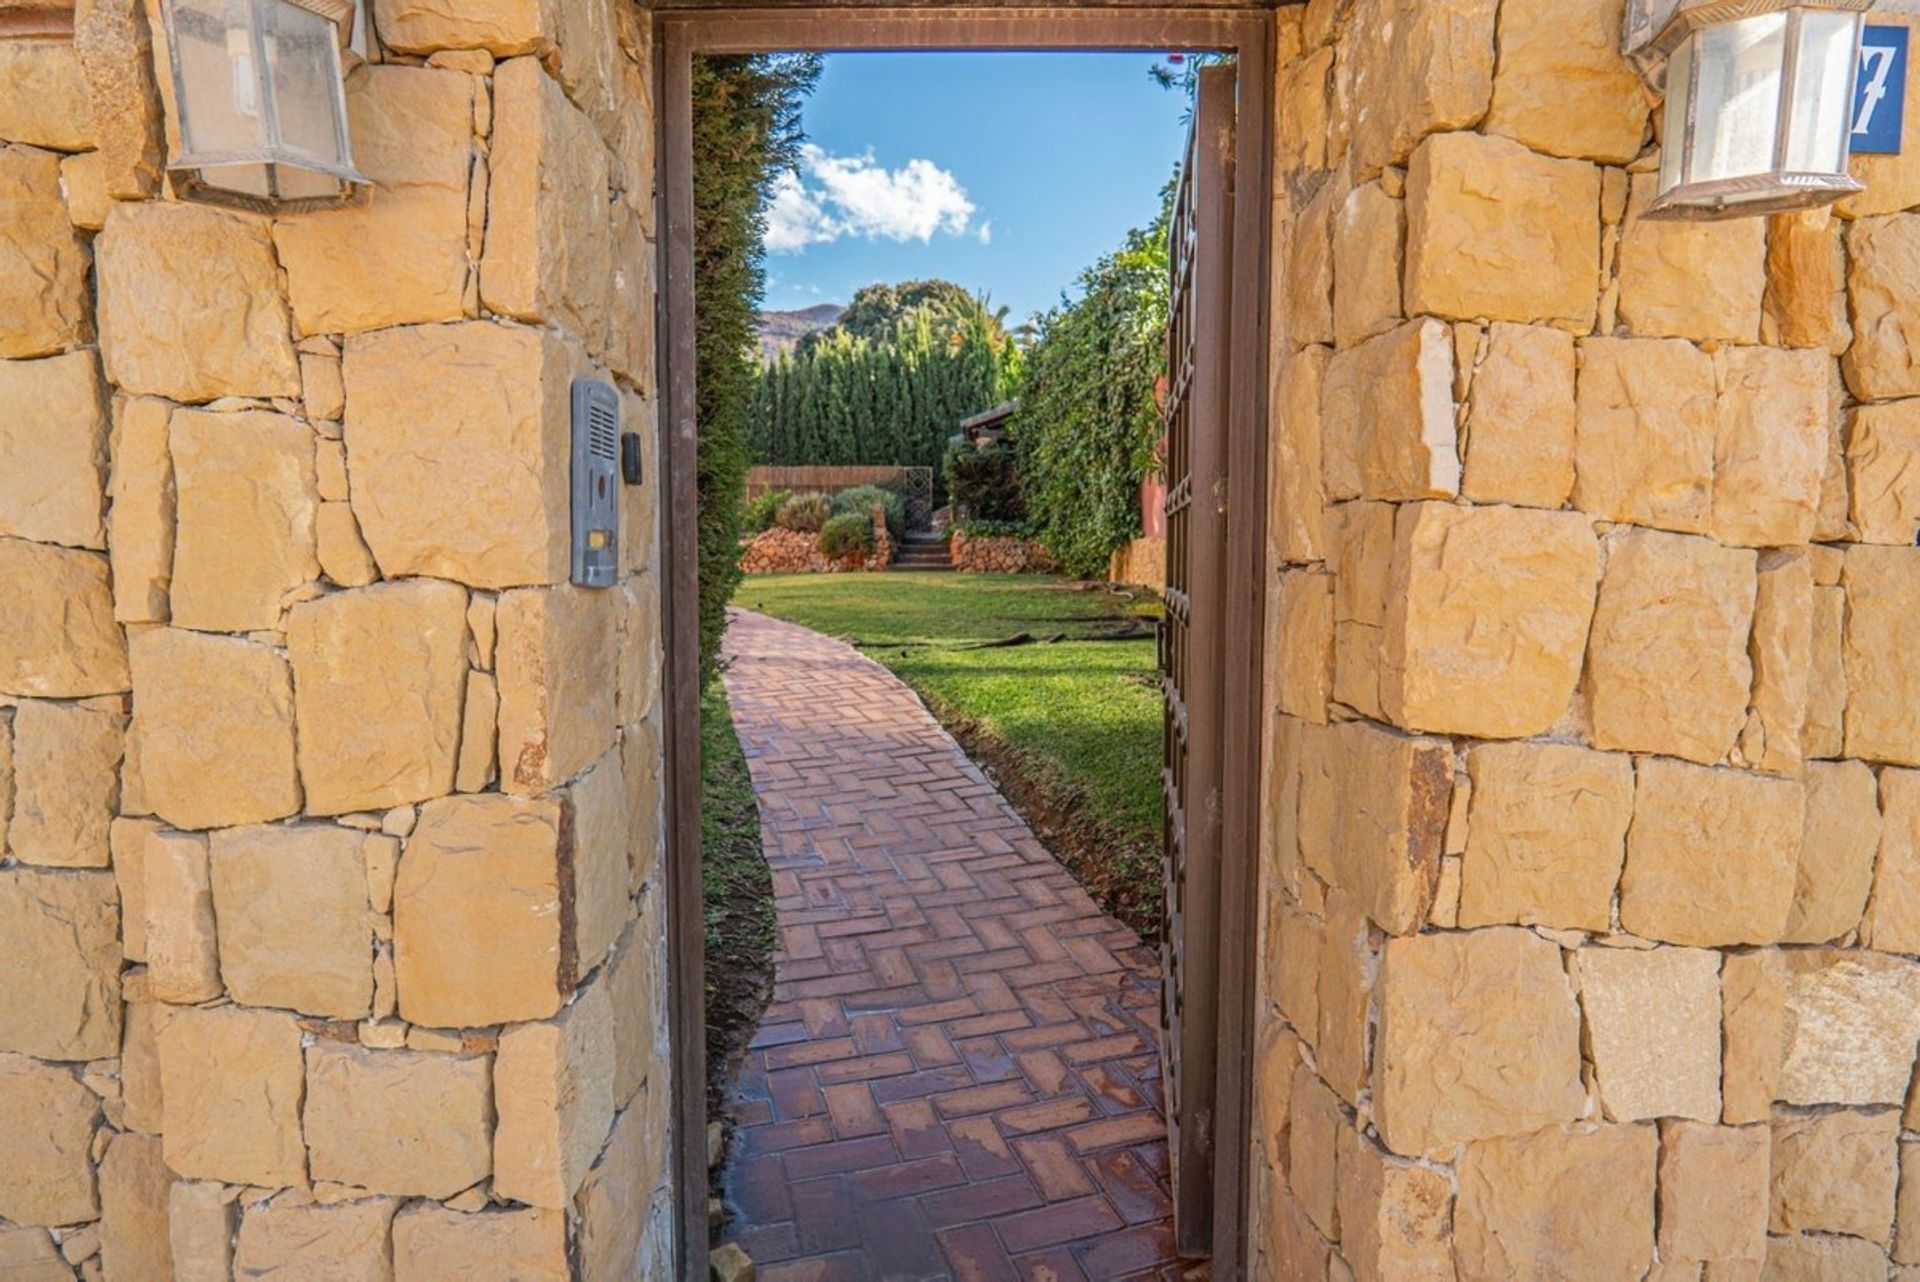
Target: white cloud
[[985, 234], [836, 196]]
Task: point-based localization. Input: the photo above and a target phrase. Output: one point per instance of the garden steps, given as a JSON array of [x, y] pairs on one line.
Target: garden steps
[[923, 552]]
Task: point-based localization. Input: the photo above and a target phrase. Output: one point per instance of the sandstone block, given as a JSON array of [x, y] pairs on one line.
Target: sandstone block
[[639, 1013], [47, 102], [343, 554], [479, 931], [1520, 418], [66, 768], [1653, 1030], [1546, 836], [1782, 655], [409, 1123], [1530, 1205], [1885, 495], [115, 45], [58, 639], [1824, 734], [1562, 86], [1882, 256], [642, 660], [63, 929], [598, 803], [1671, 604], [1813, 1257], [1487, 618], [214, 731], [631, 336], [292, 1238], [1313, 1132], [231, 1083], [1713, 1192], [1837, 849], [479, 734], [1379, 832], [1299, 943], [1892, 922], [379, 676], [83, 178], [548, 253], [45, 306], [1882, 669], [402, 258], [613, 1202], [1711, 855], [1348, 961], [1849, 1024], [1296, 517], [1301, 137], [246, 505], [1308, 285], [176, 901], [201, 1221], [1395, 1217], [432, 1242], [1646, 425], [1479, 1037], [1496, 232], [1906, 1244], [482, 401], [1688, 279], [1420, 67], [55, 443], [1835, 1173], [141, 521], [502, 27], [294, 928], [47, 1124], [555, 661], [1303, 624], [6, 777], [29, 1255], [1367, 234], [1753, 995], [135, 1189], [1770, 450], [1806, 299], [169, 327], [1386, 416], [140, 1065], [553, 1087]]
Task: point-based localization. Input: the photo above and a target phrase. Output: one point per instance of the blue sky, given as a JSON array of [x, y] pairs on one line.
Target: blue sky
[[1005, 172]]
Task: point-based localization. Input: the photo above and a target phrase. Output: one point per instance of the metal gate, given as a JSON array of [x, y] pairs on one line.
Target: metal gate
[[1192, 648]]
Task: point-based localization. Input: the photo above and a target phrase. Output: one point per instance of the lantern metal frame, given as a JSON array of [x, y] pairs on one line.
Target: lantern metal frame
[[1655, 29], [186, 170]]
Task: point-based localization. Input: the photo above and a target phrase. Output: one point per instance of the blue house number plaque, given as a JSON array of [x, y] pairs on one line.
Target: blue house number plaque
[[1880, 95]]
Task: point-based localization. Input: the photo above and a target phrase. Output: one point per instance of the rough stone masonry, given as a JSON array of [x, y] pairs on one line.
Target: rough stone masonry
[[1591, 883], [330, 816]]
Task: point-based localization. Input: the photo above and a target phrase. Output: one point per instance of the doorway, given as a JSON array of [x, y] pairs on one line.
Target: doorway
[[1212, 1145]]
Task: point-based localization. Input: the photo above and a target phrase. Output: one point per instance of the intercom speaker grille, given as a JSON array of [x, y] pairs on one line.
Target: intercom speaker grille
[[595, 484]]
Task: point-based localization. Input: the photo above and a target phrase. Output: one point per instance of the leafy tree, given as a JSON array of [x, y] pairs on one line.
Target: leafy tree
[[746, 129], [1088, 421]]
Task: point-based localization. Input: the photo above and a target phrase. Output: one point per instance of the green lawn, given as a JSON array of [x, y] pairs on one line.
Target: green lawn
[[1071, 725]]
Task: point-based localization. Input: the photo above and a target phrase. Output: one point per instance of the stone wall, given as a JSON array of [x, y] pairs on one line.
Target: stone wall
[[1141, 563], [330, 816], [996, 554], [780, 551], [1591, 896]]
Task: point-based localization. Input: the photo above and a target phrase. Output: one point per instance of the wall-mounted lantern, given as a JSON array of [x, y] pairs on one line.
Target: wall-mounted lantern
[[262, 111], [1759, 109]]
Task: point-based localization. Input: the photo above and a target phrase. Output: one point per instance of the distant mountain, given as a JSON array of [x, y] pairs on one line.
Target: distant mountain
[[780, 331]]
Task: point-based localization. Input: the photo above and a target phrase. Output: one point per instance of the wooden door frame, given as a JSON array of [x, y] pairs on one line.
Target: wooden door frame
[[1245, 28]]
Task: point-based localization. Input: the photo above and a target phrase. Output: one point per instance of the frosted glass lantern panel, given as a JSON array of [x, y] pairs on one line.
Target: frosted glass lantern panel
[[222, 112], [1829, 45], [303, 66], [1673, 128], [1737, 117]]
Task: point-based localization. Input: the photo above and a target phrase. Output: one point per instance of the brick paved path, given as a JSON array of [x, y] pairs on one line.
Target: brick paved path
[[958, 1076]]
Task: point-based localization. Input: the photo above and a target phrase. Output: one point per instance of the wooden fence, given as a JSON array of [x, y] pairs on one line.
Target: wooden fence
[[916, 483]]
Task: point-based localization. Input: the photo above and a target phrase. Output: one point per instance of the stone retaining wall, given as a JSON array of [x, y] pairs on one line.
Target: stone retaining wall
[[999, 555], [331, 904], [778, 551], [1591, 901]]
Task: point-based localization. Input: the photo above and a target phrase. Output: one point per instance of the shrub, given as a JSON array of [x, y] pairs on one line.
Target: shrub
[[984, 483], [761, 511], [864, 498], [996, 529], [806, 514], [849, 534]]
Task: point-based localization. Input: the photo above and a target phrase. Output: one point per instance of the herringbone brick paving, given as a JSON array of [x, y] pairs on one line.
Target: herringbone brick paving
[[958, 1077]]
